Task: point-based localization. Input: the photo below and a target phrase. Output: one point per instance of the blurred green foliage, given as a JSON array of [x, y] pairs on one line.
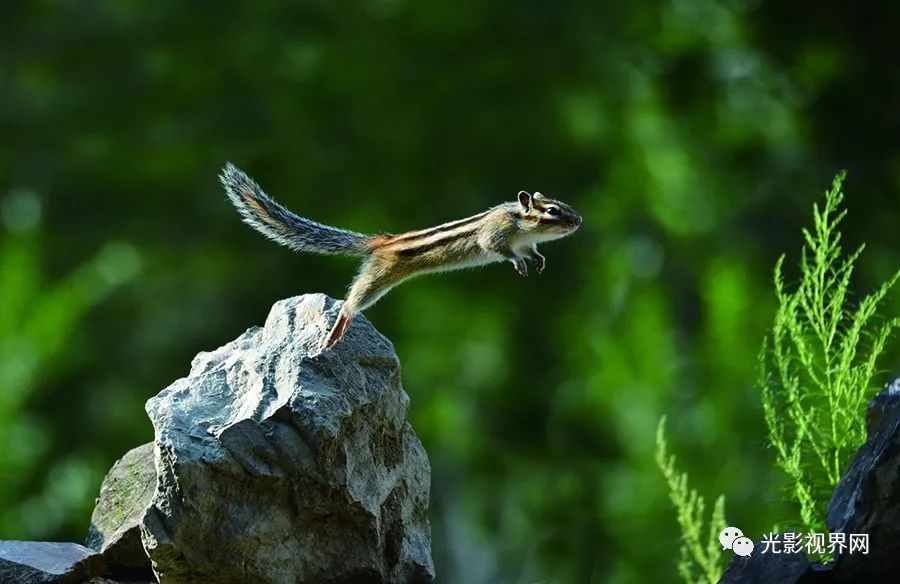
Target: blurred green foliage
[[37, 328], [691, 134]]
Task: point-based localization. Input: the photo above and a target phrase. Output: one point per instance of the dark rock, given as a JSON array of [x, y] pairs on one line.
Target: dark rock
[[116, 523], [279, 463], [42, 562], [867, 499], [127, 580], [766, 568], [818, 574]]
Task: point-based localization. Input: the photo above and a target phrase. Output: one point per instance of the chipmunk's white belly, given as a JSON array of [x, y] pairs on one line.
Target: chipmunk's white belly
[[482, 259], [527, 240]]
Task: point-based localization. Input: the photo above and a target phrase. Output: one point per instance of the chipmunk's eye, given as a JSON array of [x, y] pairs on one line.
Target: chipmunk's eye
[[553, 211]]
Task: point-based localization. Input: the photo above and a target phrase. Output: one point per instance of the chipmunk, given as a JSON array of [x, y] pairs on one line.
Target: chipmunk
[[507, 232]]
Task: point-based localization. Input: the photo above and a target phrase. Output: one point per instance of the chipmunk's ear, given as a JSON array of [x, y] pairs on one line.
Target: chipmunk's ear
[[525, 200]]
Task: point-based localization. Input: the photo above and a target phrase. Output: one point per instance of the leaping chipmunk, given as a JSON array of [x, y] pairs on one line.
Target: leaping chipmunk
[[507, 232]]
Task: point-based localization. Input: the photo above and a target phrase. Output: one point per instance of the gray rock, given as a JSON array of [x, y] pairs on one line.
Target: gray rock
[[44, 562], [116, 523], [277, 463], [867, 498], [766, 568]]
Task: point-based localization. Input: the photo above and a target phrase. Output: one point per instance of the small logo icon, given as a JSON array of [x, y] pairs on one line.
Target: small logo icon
[[733, 539], [728, 535], [742, 546]]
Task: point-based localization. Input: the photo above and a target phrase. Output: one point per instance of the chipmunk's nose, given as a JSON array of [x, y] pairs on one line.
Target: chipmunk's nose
[[577, 220]]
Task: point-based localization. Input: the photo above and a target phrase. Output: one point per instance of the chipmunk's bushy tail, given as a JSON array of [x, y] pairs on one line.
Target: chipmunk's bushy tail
[[262, 213]]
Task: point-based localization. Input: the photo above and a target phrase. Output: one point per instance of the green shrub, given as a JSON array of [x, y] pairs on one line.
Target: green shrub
[[700, 555], [818, 364]]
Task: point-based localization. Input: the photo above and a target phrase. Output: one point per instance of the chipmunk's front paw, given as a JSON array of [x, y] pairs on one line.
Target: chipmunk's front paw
[[539, 262], [520, 266]]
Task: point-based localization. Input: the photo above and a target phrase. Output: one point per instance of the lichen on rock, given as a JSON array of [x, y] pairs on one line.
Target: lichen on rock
[[125, 495]]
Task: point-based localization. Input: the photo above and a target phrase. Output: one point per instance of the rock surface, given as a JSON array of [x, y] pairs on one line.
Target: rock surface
[[128, 581], [42, 562], [867, 499], [766, 568], [278, 463], [116, 523]]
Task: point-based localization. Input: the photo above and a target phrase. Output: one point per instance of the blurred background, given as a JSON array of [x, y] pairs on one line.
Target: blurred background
[[693, 135]]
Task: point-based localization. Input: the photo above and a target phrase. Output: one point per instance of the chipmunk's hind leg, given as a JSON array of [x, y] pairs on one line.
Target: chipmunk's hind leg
[[372, 283], [340, 327]]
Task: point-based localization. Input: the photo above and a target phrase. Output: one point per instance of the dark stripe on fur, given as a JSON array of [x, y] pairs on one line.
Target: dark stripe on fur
[[426, 247], [440, 228]]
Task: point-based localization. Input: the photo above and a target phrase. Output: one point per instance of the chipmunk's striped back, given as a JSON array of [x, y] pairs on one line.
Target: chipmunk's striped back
[[444, 246], [261, 212]]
